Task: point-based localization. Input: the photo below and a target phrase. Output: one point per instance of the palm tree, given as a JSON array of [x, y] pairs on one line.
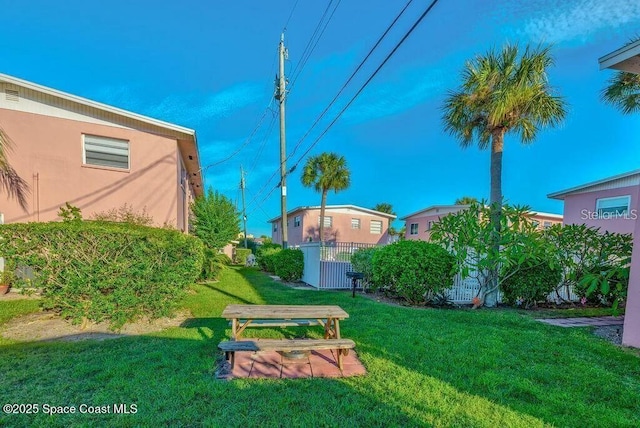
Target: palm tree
[[502, 92], [12, 183], [466, 200], [325, 172], [387, 208], [623, 92]]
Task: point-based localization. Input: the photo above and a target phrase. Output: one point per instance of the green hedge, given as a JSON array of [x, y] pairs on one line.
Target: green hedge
[[265, 254], [362, 261], [289, 264], [98, 271], [414, 270], [530, 285], [213, 264], [241, 256]]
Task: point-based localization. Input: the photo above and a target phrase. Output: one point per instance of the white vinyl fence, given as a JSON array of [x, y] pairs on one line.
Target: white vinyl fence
[[326, 267]]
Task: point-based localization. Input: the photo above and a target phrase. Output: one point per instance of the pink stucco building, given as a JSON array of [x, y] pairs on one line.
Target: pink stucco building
[[418, 225], [607, 204], [343, 223], [94, 156]]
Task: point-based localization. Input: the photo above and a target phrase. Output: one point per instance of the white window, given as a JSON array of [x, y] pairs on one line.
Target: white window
[[328, 221], [355, 223], [413, 229], [613, 207], [375, 227], [103, 151], [546, 224], [296, 221], [535, 223], [430, 225], [275, 227]]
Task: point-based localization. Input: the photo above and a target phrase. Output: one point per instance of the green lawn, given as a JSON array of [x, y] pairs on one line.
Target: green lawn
[[426, 367]]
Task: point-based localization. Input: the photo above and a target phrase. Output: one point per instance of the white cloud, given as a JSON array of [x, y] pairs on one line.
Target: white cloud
[[579, 20]]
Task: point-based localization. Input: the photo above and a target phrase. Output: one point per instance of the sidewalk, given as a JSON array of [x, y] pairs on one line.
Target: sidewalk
[[584, 321]]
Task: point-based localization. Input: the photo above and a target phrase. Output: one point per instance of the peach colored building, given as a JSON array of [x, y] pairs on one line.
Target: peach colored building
[[343, 223], [606, 204], [418, 225], [94, 156]]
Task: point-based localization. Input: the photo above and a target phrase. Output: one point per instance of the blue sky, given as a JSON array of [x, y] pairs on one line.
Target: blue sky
[[210, 66]]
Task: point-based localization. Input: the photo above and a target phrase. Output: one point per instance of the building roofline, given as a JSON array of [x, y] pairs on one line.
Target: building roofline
[[434, 207], [544, 214], [615, 58], [578, 189], [189, 134], [317, 207]]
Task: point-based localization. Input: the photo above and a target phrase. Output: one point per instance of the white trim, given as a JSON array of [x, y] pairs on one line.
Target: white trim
[[583, 188], [600, 200], [617, 57]]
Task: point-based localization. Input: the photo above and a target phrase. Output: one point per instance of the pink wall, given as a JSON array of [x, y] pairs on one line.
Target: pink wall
[[631, 330], [422, 220], [575, 206], [340, 231], [52, 148]]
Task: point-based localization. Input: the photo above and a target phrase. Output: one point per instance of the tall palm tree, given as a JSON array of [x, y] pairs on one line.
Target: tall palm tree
[[502, 92], [327, 171], [10, 181]]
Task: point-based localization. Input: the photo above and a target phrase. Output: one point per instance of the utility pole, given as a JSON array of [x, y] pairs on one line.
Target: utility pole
[[281, 92], [244, 206]]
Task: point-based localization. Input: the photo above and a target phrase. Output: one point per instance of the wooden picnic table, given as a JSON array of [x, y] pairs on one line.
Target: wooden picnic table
[[243, 316]]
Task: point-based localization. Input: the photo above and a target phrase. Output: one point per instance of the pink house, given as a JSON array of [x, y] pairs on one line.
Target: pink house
[[94, 156], [343, 223], [418, 225], [607, 204]]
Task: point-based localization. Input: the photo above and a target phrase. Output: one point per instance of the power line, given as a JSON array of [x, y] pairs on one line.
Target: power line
[[290, 15], [393, 51], [375, 46]]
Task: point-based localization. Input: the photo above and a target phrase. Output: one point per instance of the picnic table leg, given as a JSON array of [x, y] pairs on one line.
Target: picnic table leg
[[234, 329], [336, 331]]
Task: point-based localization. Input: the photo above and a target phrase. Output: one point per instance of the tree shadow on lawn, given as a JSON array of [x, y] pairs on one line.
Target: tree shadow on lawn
[[565, 377]]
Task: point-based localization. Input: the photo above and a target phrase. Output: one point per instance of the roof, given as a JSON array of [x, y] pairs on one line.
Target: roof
[[627, 58], [456, 208], [621, 180], [335, 207], [187, 142], [436, 207]]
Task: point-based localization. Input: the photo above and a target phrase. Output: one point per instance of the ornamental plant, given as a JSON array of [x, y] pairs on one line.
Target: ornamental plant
[[112, 272], [414, 270], [289, 264]]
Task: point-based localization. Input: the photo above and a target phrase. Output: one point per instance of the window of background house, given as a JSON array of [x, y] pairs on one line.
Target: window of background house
[[613, 207], [413, 229], [275, 227], [535, 223], [296, 221], [375, 227], [355, 223], [328, 221], [429, 225], [546, 224], [103, 151]]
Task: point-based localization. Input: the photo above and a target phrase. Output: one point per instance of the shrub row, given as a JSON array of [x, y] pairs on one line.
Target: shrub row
[[287, 264], [98, 271], [241, 256]]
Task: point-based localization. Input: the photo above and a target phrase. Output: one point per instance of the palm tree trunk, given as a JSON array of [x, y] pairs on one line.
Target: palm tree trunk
[[323, 204], [497, 146]]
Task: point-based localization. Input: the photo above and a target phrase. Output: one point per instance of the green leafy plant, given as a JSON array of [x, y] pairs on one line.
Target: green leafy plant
[[265, 254], [213, 264], [362, 261], [469, 234], [8, 275], [289, 264], [113, 272], [215, 219], [69, 213], [241, 255], [531, 285], [413, 269]]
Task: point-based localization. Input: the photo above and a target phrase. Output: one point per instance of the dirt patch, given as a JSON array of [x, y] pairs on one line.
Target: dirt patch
[[49, 326]]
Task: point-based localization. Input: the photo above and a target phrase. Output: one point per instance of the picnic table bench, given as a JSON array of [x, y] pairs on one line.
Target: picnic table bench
[[246, 316]]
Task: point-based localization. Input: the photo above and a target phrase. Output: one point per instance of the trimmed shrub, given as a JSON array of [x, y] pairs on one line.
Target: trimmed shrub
[[213, 264], [289, 264], [362, 261], [241, 256], [530, 285], [95, 271], [265, 256], [413, 270]]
